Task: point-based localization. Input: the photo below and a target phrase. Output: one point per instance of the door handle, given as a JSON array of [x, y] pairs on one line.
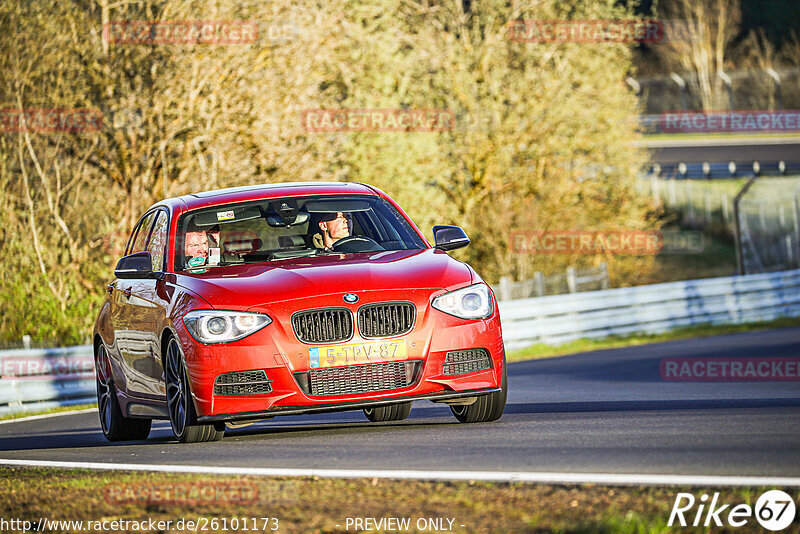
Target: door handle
[[110, 288], [127, 292]]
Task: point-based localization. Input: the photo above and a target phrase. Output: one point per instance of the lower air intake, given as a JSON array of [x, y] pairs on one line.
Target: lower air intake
[[459, 362], [243, 383], [359, 378]]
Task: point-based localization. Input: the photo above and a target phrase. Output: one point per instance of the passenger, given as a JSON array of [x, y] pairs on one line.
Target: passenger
[[195, 246]]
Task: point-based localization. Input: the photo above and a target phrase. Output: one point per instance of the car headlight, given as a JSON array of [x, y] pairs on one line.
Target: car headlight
[[213, 326], [472, 302]]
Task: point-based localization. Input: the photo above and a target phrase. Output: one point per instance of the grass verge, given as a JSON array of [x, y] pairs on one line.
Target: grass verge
[[323, 505], [538, 351], [59, 409]]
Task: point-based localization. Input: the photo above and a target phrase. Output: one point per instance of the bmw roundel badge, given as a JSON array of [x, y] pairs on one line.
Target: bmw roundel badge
[[350, 298]]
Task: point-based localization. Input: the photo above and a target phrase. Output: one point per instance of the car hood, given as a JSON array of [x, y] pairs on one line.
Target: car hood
[[242, 286]]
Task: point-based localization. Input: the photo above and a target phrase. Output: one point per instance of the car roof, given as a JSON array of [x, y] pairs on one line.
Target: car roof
[[256, 192]]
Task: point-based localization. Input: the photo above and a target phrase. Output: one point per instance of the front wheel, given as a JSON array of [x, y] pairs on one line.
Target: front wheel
[[182, 416], [390, 412], [116, 427], [486, 408]]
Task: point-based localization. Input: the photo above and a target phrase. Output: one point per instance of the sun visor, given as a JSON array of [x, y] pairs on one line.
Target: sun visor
[[335, 206]]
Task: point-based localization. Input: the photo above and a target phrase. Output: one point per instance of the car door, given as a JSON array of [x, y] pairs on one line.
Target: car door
[[146, 309], [127, 327], [150, 308]]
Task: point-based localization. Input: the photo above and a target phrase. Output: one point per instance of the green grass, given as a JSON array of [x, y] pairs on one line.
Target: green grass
[[718, 258], [59, 409], [538, 351], [316, 505]]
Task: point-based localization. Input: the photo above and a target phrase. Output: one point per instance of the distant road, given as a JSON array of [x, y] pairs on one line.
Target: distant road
[[671, 151], [603, 412]]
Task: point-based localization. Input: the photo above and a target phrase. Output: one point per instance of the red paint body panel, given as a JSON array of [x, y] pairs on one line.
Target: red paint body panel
[[279, 289]]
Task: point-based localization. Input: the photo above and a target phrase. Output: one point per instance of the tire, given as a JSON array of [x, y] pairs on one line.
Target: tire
[[182, 416], [487, 407], [116, 427], [389, 412]]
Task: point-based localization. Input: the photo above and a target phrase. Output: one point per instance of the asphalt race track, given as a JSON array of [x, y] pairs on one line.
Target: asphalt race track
[[600, 412], [711, 150]]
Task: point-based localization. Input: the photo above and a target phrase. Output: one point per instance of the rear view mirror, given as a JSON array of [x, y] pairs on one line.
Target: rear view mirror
[[448, 237], [134, 266]]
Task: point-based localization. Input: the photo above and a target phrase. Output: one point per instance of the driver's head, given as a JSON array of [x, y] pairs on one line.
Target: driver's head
[[334, 226]]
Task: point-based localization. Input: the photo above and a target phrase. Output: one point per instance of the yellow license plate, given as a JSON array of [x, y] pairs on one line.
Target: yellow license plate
[[357, 353]]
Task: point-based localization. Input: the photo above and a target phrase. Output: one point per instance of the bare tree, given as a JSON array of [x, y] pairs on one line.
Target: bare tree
[[705, 30]]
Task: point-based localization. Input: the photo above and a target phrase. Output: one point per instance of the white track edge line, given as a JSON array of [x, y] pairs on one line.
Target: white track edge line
[[46, 415], [488, 476]]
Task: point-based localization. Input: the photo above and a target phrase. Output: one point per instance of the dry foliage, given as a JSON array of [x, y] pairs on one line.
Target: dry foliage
[[542, 139]]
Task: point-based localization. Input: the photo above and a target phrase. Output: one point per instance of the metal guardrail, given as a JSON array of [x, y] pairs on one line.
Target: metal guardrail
[[650, 309], [44, 378], [551, 320], [571, 281]]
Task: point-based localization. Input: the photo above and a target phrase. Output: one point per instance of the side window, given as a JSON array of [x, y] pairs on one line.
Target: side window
[[158, 240], [141, 234]]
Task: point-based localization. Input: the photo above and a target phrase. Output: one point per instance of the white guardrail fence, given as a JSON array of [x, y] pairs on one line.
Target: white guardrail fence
[[653, 308], [42, 378]]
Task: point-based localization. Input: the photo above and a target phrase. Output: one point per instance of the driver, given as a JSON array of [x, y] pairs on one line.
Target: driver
[[332, 228]]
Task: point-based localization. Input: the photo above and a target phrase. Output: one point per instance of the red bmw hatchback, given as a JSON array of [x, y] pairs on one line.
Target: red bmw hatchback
[[238, 305]]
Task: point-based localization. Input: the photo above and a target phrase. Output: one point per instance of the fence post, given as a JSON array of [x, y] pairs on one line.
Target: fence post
[[789, 251], [687, 189], [654, 186], [672, 195], [725, 213], [606, 282], [571, 282], [796, 213], [505, 288], [538, 281]]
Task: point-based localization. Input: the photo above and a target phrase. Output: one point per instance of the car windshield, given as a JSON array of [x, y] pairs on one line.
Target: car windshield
[[292, 227]]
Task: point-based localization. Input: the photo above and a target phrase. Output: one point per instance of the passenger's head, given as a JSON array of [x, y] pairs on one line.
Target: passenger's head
[[195, 243]]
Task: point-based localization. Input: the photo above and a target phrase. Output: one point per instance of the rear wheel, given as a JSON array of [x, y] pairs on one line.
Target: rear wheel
[[390, 412], [182, 416], [487, 407], [116, 427]]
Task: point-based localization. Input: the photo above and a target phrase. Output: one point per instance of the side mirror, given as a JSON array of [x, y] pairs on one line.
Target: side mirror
[[448, 237], [139, 265]]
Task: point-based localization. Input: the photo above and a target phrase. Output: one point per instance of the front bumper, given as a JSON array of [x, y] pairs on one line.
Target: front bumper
[[343, 406], [276, 350]]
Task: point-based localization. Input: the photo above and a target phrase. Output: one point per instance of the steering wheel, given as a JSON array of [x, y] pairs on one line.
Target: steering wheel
[[356, 243]]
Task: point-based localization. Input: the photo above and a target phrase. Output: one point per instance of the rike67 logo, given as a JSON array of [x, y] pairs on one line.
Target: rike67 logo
[[774, 510]]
